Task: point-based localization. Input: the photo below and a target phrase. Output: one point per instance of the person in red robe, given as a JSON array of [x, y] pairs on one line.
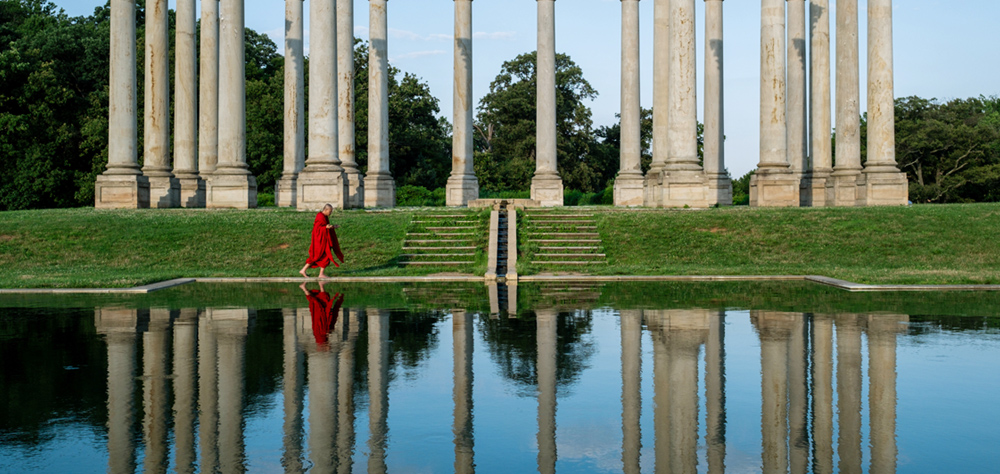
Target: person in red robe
[[324, 310], [324, 244]]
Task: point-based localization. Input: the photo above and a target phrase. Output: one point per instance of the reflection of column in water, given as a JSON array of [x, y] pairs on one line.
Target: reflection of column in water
[[155, 390], [715, 392], [291, 457], [822, 389], [345, 435], [231, 327], [185, 339], [774, 330], [512, 298], [631, 324], [882, 330], [547, 321], [798, 397], [659, 326], [462, 392], [322, 363], [688, 329], [378, 388], [119, 327], [849, 393], [208, 394]]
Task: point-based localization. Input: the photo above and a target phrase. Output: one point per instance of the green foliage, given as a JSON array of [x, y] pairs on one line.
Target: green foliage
[[605, 197], [419, 196], [741, 189], [486, 194]]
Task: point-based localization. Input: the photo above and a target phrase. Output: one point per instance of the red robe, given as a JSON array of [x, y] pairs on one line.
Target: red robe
[[324, 311], [324, 244]]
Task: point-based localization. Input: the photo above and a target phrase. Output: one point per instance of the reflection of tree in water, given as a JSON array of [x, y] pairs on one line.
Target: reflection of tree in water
[[513, 346], [412, 337]]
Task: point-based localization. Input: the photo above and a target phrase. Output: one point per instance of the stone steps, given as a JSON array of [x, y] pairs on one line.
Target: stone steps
[[445, 239], [578, 255], [564, 239]]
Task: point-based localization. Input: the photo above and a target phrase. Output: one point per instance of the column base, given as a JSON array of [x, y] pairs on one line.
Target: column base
[[720, 190], [319, 188], [192, 191], [681, 189], [286, 191], [650, 189], [883, 189], [380, 190], [121, 191], [629, 190], [774, 190], [812, 190], [355, 188], [842, 189], [547, 190], [231, 191], [164, 192], [460, 190]]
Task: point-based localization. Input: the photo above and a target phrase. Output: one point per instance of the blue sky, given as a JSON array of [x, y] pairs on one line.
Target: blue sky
[[943, 48]]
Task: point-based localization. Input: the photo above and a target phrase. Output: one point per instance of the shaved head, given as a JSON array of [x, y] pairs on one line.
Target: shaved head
[[327, 209]]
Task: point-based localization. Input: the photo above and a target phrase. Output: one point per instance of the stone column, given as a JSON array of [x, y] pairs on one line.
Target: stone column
[[849, 361], [119, 327], [546, 185], [798, 397], [659, 325], [465, 442], [773, 185], [122, 185], [231, 328], [720, 185], [629, 182], [661, 100], [208, 100], [715, 393], [380, 188], [882, 184], [882, 331], [462, 185], [813, 187], [322, 180], [798, 154], [547, 335], [345, 105], [323, 378], [208, 394], [822, 389], [156, 391], [286, 189], [687, 334], [842, 189], [350, 323], [378, 388], [232, 185], [631, 329], [192, 188], [163, 186], [185, 396], [293, 380], [774, 330]]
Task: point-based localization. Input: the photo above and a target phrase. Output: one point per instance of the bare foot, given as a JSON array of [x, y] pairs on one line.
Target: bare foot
[[303, 273], [321, 275]]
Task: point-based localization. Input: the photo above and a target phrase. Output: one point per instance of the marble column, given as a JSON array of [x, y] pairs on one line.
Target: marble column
[[661, 100], [882, 184], [462, 325], [849, 362], [631, 329], [208, 395], [122, 184], [842, 188], [882, 331], [463, 186], [345, 105], [774, 330], [185, 395], [156, 390], [547, 339], [378, 389], [208, 90], [380, 188], [546, 184], [119, 328], [813, 187], [232, 185], [192, 188], [629, 182], [720, 185], [286, 189], [798, 129], [323, 377], [163, 186], [715, 393], [773, 185], [822, 390], [292, 382], [322, 182]]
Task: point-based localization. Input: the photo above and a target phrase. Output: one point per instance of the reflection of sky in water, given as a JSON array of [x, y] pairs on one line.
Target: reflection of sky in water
[[947, 416]]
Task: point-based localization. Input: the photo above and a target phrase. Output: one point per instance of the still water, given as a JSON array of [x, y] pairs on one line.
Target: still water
[[401, 378]]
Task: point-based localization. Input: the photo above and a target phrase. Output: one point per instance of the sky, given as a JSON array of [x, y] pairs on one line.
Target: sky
[[943, 49]]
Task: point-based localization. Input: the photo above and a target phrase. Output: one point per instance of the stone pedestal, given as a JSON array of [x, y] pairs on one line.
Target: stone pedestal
[[286, 191], [548, 191], [164, 192], [231, 191], [682, 189], [355, 182], [629, 189], [720, 190], [130, 191], [319, 188], [812, 188], [774, 190], [461, 189], [883, 189], [842, 188], [191, 191], [380, 190]]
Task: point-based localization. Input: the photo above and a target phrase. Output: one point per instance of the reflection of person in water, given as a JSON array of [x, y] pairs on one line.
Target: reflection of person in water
[[324, 311]]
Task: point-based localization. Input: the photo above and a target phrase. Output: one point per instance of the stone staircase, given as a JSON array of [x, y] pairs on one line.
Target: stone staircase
[[562, 238], [444, 239]]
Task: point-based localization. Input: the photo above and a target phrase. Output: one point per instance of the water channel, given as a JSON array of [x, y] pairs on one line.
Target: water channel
[[567, 377]]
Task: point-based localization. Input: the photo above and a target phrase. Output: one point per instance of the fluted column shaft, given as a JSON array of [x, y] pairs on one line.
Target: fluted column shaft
[[661, 81], [323, 131], [682, 129], [345, 104], [157, 84], [820, 155], [208, 110], [773, 125], [185, 92], [546, 185], [881, 101], [796, 105], [631, 108], [848, 92], [122, 122], [232, 90], [462, 185], [714, 97], [295, 100], [380, 189]]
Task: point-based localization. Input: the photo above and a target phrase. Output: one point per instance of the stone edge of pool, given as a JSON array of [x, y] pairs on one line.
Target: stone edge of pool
[[819, 279]]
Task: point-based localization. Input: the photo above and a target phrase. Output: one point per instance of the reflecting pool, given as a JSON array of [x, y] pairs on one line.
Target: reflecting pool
[[617, 377]]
